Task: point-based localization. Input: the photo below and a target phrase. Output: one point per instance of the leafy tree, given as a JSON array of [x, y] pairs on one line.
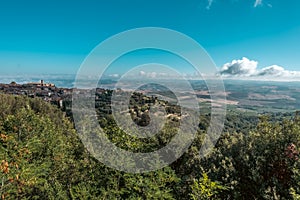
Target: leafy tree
[[204, 188], [261, 165]]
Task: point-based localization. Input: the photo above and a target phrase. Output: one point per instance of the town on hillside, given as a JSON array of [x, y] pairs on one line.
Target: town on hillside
[[47, 91]]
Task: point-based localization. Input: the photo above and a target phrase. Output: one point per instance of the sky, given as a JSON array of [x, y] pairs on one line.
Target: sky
[[245, 38]]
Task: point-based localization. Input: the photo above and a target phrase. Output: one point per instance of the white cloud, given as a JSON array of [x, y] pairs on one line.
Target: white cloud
[[243, 67], [148, 74], [278, 71], [114, 75], [273, 70], [209, 4], [158, 74], [257, 3], [154, 74], [246, 68], [142, 73]]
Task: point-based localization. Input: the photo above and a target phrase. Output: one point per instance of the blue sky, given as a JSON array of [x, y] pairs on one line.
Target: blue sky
[[52, 36]]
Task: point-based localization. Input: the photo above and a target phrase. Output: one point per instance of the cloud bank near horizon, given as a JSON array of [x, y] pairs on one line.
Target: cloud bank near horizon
[[248, 69], [240, 69]]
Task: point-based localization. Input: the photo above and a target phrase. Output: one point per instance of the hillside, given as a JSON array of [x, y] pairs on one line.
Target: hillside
[[42, 158]]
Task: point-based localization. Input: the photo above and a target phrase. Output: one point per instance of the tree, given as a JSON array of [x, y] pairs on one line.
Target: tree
[[204, 188]]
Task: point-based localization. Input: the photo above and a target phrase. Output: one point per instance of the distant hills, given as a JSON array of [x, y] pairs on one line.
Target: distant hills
[[245, 95]]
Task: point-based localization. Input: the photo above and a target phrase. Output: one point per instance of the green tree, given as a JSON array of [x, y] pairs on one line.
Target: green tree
[[204, 188]]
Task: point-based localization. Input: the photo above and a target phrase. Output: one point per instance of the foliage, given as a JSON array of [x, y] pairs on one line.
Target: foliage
[[261, 165], [41, 157], [204, 188]]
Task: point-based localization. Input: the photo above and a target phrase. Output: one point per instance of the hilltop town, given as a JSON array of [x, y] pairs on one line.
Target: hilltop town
[[47, 91], [62, 97]]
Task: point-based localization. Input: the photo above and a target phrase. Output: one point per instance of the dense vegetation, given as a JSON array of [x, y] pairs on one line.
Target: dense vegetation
[[41, 157]]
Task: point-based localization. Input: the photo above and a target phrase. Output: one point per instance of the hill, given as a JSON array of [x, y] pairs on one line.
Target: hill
[[42, 158]]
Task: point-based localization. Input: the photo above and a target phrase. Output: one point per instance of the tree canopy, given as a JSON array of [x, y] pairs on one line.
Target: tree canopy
[[42, 157]]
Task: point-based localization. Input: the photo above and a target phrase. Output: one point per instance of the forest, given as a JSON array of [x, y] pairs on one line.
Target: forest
[[42, 157]]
